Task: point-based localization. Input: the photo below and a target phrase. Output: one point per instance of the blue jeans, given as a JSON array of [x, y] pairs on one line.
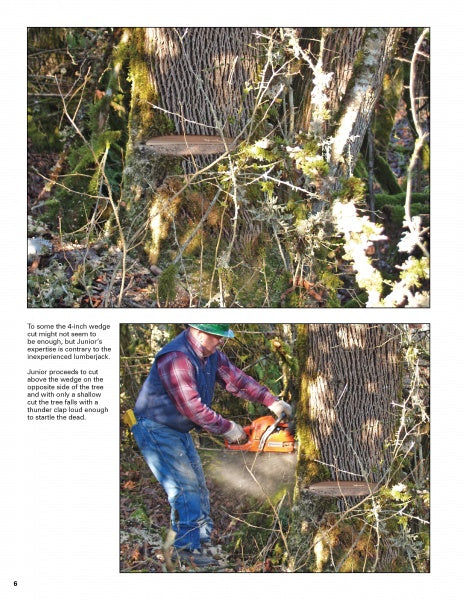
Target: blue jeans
[[174, 461]]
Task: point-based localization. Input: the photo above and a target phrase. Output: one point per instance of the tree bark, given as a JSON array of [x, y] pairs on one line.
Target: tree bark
[[340, 113], [200, 74], [361, 97], [337, 53], [184, 81], [349, 383]]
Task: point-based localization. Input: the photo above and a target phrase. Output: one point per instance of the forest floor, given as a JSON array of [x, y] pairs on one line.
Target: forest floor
[[242, 486]]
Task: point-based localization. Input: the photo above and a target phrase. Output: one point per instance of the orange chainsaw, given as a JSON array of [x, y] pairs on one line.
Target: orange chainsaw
[[267, 434]]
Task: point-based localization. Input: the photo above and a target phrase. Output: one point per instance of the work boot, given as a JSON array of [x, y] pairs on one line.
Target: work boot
[[210, 550], [193, 557]]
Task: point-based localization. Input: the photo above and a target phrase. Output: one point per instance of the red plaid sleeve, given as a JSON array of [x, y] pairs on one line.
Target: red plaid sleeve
[[178, 376], [238, 383]]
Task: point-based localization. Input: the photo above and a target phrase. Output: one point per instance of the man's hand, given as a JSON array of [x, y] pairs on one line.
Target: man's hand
[[236, 434], [279, 407]]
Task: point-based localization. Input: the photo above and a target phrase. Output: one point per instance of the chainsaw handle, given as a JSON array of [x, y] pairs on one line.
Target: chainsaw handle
[[280, 419], [271, 429]]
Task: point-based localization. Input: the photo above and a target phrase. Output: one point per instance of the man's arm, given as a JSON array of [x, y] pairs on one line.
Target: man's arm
[[235, 381], [178, 377]]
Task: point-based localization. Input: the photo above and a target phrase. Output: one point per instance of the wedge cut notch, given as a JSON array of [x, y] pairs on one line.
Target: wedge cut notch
[[343, 488], [190, 145]]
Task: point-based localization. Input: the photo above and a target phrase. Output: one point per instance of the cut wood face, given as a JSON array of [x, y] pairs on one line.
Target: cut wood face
[[188, 145], [343, 488]]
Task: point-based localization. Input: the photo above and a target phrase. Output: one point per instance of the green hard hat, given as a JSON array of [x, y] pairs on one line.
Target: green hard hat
[[220, 329]]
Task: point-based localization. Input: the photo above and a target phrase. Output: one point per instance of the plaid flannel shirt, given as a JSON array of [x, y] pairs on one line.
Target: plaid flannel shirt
[[178, 377]]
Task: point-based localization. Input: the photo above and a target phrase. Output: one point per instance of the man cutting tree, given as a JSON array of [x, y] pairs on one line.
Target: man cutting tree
[[175, 398]]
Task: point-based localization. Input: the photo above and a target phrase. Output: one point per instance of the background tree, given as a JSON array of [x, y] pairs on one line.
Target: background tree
[[357, 59]]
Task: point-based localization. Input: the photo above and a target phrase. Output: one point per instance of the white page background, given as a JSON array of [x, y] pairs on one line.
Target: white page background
[[60, 482]]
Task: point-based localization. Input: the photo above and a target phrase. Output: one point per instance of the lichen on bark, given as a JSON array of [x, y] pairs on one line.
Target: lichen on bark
[[349, 381]]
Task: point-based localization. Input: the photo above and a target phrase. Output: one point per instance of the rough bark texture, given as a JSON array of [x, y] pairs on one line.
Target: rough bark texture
[[351, 380], [338, 51], [184, 81], [362, 94], [201, 74], [341, 48]]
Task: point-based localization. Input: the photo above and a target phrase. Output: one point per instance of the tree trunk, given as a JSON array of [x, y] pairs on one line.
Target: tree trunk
[[357, 58], [200, 74], [184, 81], [349, 383], [361, 97], [338, 49], [199, 81]]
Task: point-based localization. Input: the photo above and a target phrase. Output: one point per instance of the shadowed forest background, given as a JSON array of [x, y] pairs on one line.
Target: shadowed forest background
[[360, 397], [292, 171]]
